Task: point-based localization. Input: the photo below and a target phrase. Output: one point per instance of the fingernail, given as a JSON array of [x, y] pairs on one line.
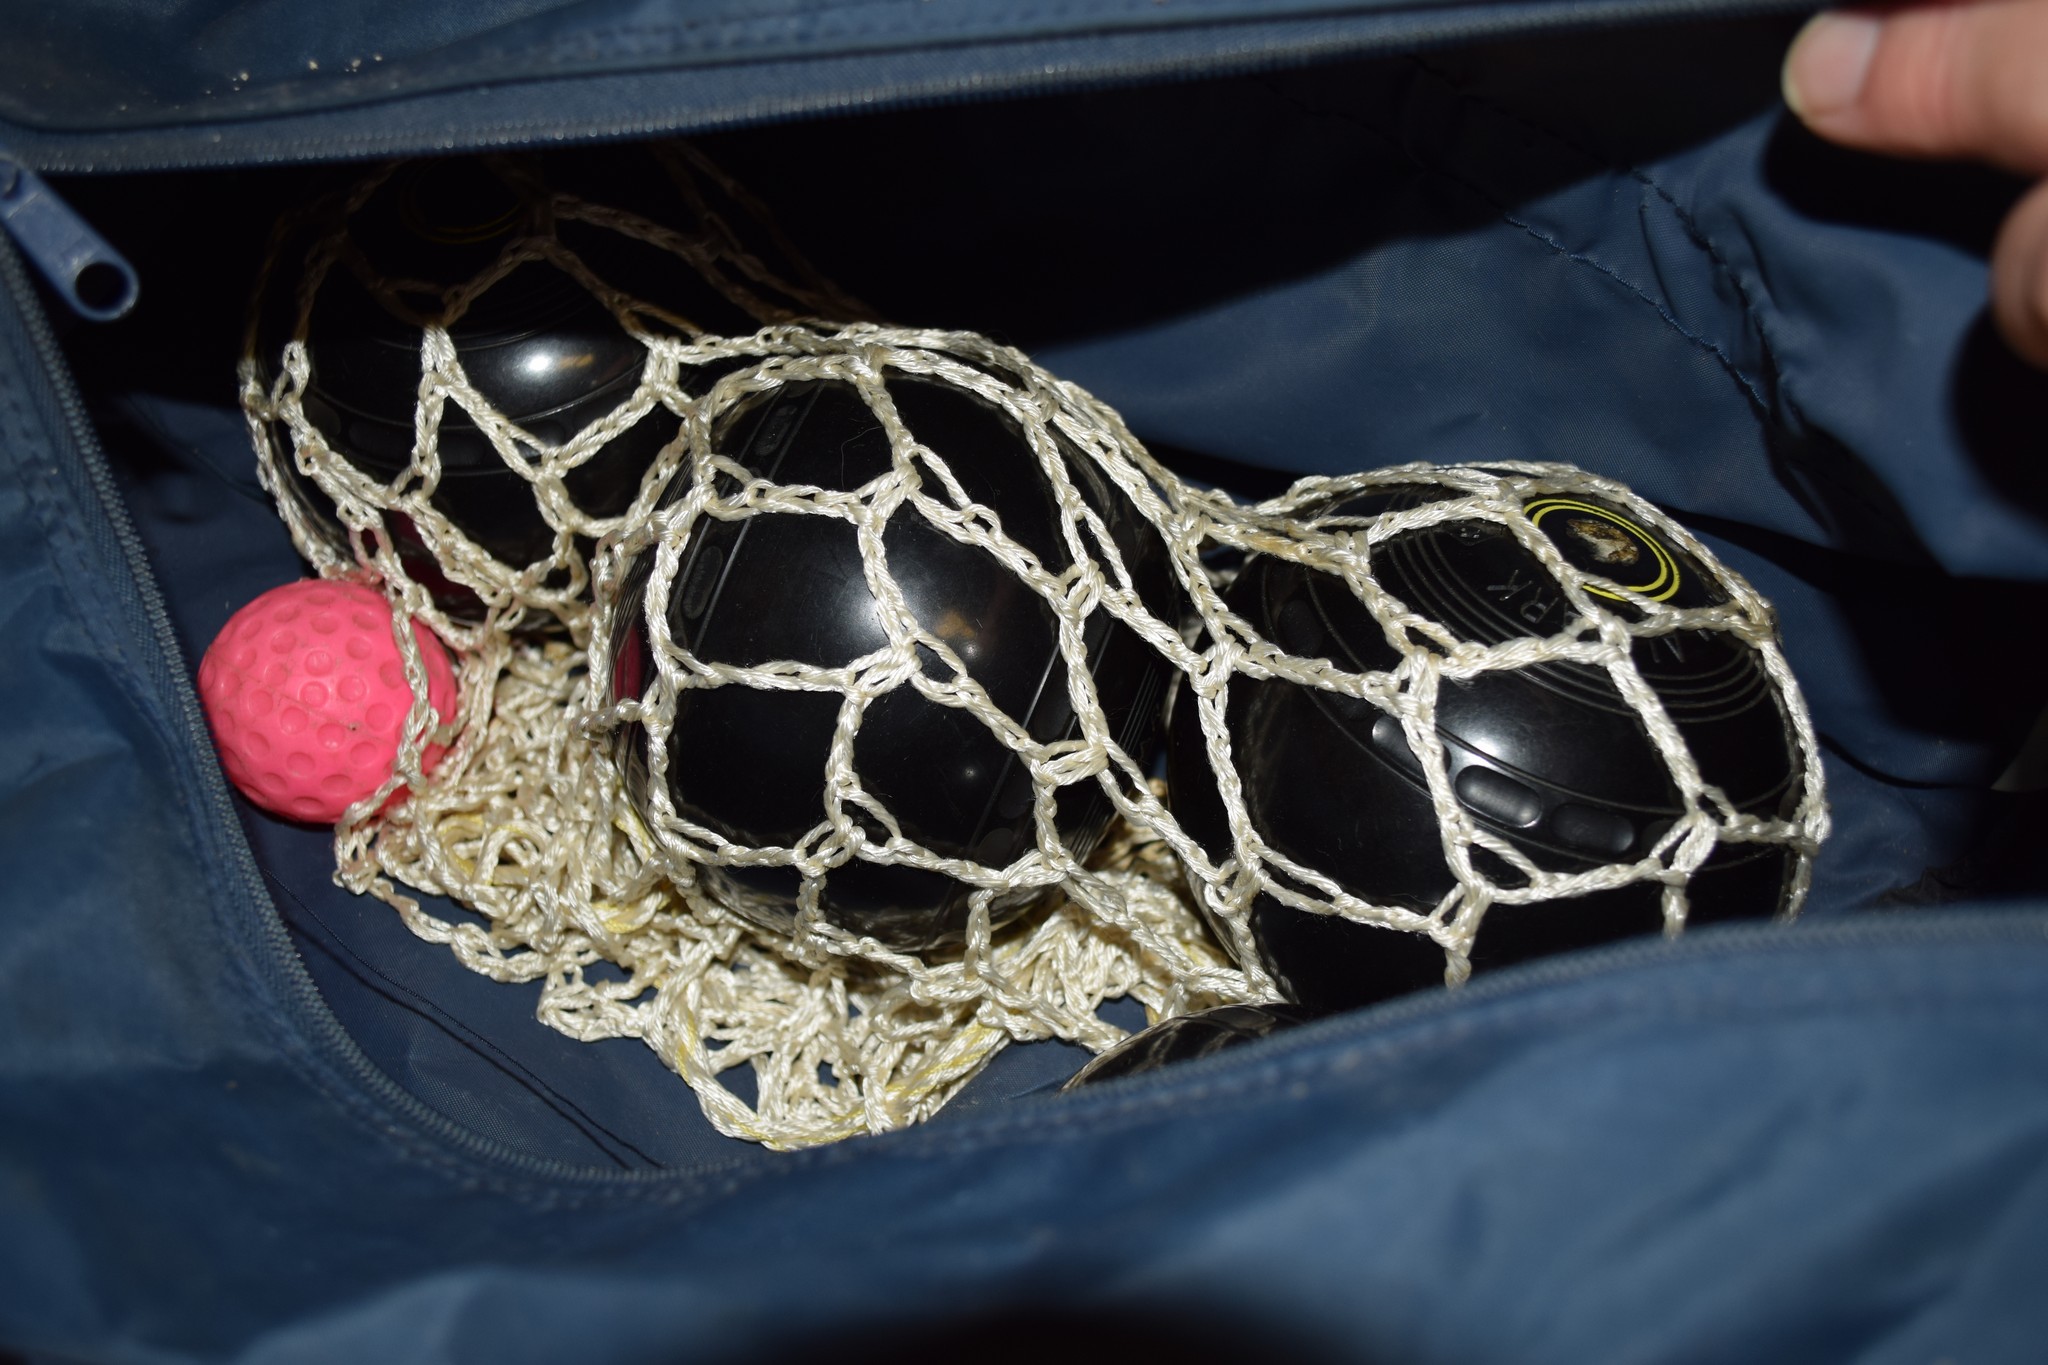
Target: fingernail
[[1824, 71]]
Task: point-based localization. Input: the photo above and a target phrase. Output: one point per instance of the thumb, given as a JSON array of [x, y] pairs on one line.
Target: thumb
[[2019, 277], [1936, 80], [1967, 78]]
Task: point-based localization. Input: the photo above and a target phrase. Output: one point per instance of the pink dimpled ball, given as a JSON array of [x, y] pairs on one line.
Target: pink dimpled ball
[[306, 695]]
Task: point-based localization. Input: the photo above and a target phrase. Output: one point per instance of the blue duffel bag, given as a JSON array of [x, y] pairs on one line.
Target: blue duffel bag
[[244, 1115]]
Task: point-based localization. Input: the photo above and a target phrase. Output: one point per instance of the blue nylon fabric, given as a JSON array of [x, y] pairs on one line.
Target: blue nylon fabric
[[468, 1047], [230, 1129], [159, 72], [1443, 1191], [1820, 397]]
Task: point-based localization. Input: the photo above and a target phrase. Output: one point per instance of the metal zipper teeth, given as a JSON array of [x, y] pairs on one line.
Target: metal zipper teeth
[[254, 149], [276, 957]]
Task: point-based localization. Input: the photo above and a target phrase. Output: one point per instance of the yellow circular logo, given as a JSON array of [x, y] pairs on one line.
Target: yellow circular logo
[[1616, 545]]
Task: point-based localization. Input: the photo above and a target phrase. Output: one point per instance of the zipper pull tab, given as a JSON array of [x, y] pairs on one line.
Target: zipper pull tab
[[94, 279]]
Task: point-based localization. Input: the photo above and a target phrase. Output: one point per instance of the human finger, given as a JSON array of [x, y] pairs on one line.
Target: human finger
[[2019, 277], [1941, 80]]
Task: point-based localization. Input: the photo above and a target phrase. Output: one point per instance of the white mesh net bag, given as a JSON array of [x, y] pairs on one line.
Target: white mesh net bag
[[1514, 694], [826, 720]]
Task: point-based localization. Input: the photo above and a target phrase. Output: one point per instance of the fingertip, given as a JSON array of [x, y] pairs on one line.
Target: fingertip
[[1828, 63], [1929, 80], [2019, 278]]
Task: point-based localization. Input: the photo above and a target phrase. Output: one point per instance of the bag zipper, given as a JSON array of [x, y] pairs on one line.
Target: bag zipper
[[272, 954], [277, 959], [82, 266], [99, 284], [475, 115], [76, 261]]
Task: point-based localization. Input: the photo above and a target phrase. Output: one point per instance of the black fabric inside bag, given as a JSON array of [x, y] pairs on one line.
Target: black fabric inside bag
[[1604, 249]]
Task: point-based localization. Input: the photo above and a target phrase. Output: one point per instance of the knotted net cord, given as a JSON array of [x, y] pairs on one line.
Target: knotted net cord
[[526, 823], [1300, 527]]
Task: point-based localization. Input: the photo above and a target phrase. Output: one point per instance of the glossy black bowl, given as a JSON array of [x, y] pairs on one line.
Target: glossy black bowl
[[541, 348], [749, 762], [1184, 1038], [1549, 757]]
